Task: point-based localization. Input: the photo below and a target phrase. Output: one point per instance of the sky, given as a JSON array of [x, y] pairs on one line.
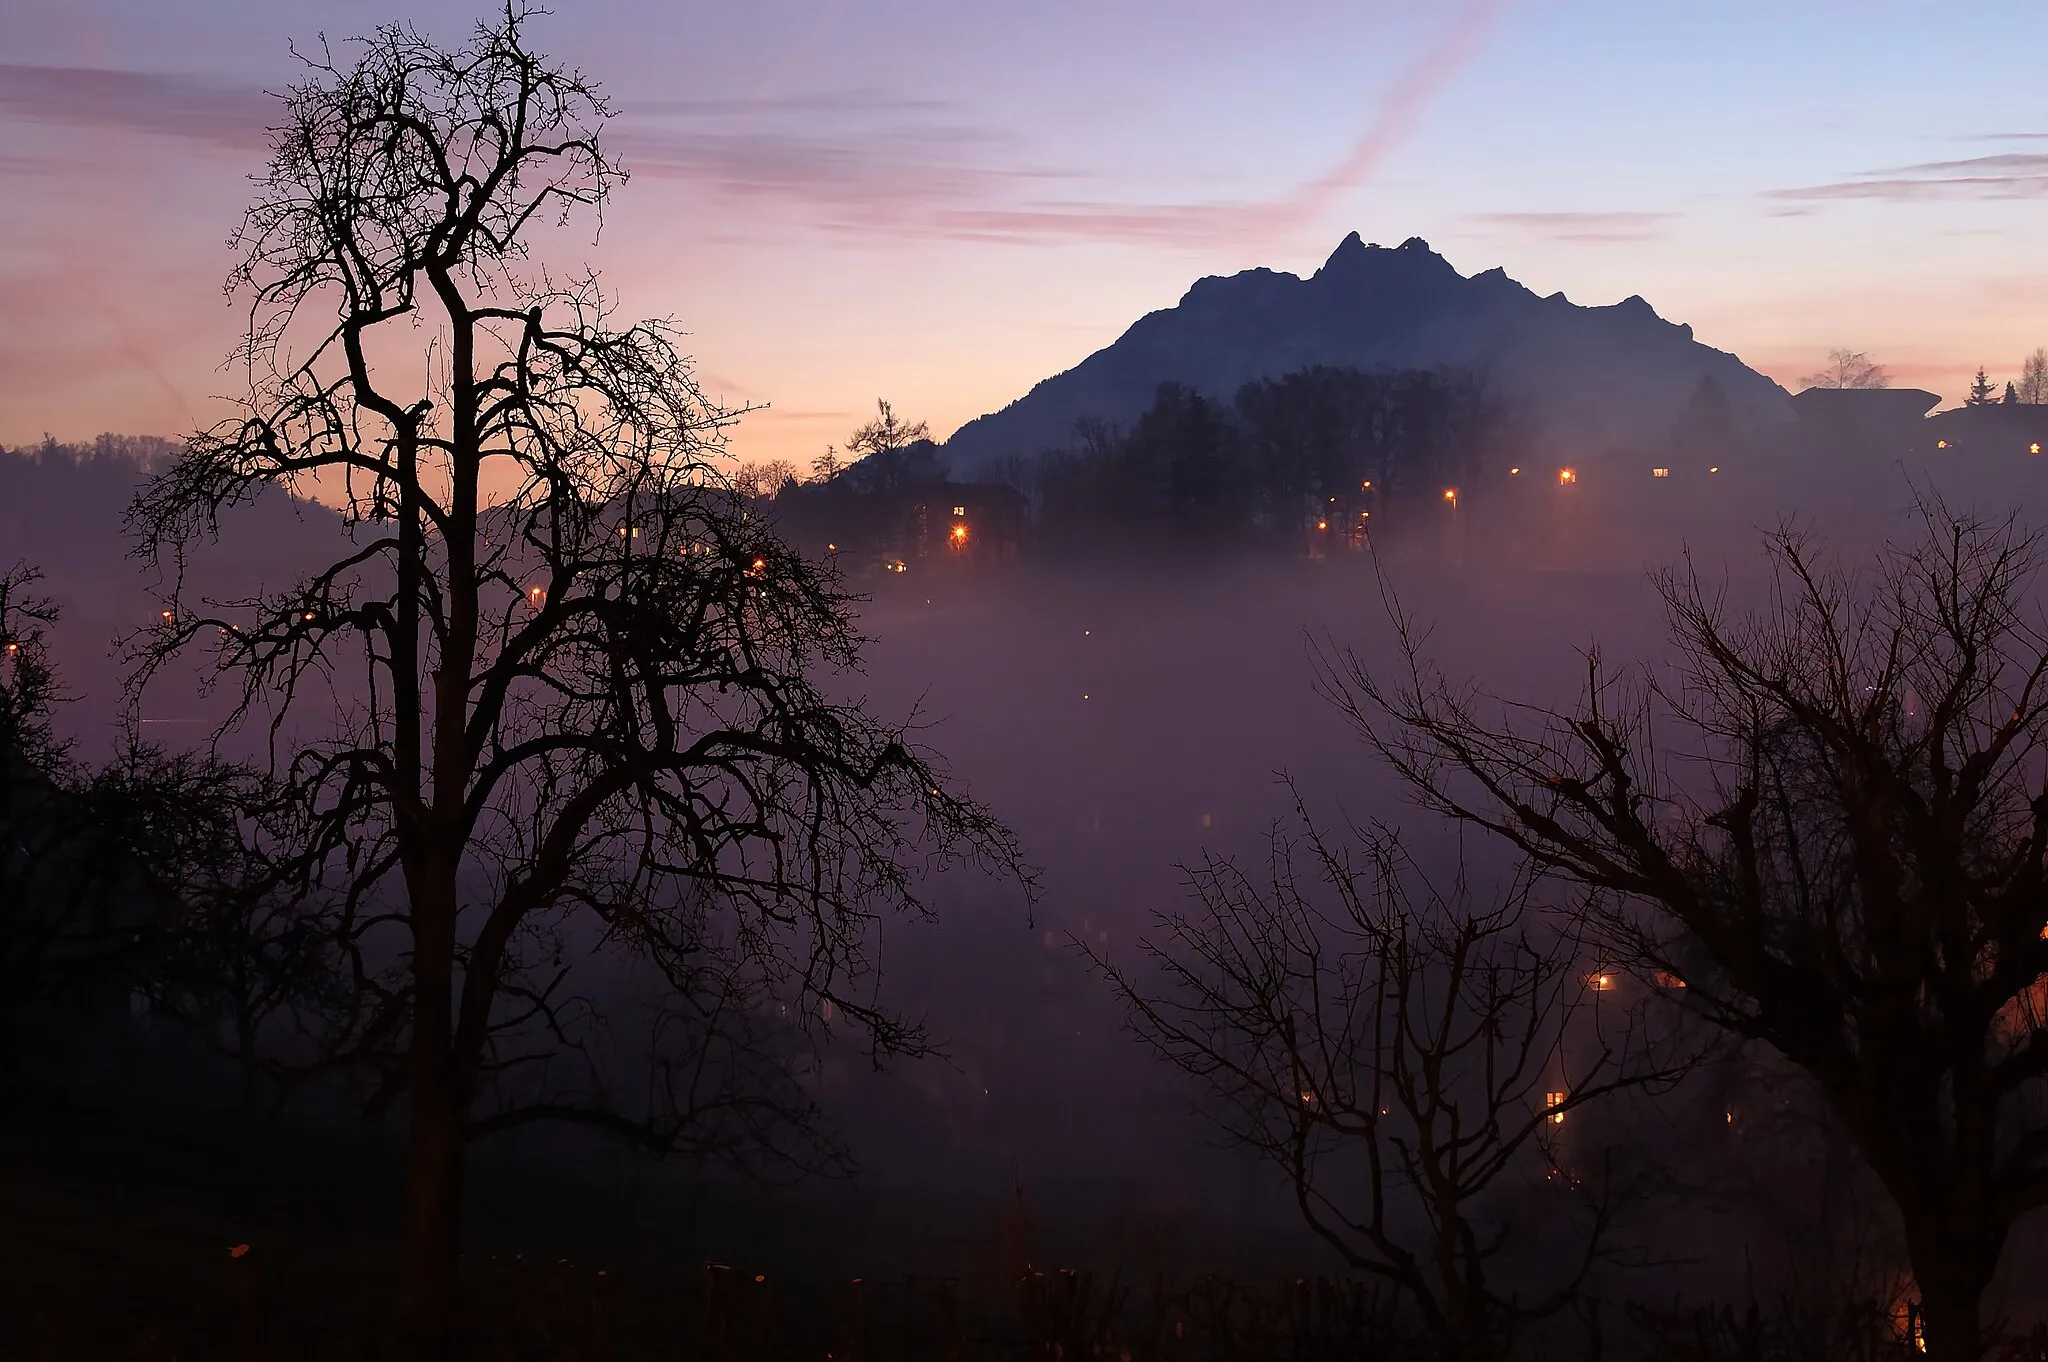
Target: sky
[[940, 202]]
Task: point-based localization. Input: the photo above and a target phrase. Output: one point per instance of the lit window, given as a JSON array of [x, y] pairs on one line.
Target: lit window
[[1660, 472], [1552, 1101], [959, 510]]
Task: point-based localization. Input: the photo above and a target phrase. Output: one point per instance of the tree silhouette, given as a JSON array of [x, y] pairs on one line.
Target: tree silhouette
[[1848, 369], [557, 718], [2033, 387], [1830, 821], [38, 843], [889, 454], [1980, 391], [1405, 1056]]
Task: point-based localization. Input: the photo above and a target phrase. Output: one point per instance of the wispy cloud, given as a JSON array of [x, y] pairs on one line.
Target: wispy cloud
[[856, 160], [233, 117], [2007, 175], [883, 178], [818, 101], [946, 181], [1592, 227]]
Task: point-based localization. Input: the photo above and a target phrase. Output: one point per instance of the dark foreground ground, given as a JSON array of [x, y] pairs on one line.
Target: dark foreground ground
[[120, 1223]]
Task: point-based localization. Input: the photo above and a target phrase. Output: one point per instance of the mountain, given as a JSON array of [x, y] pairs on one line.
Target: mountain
[[1591, 378]]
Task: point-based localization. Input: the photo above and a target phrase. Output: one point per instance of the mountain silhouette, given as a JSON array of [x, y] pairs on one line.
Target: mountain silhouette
[[1585, 378]]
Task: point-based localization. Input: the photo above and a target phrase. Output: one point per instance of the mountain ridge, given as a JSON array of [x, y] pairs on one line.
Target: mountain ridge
[[1607, 376]]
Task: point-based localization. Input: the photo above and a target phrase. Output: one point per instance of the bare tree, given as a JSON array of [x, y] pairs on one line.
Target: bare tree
[[884, 451], [1830, 820], [1407, 1058], [239, 937], [36, 839], [1848, 369], [2033, 384], [764, 479], [558, 716]]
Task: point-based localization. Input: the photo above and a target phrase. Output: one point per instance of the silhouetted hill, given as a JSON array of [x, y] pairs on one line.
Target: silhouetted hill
[[1590, 378]]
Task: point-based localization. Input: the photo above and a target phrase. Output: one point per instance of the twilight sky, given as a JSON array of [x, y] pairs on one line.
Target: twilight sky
[[942, 201]]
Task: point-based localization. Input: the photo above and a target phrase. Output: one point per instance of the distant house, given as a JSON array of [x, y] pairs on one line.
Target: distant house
[[966, 522], [1889, 420], [1999, 428]]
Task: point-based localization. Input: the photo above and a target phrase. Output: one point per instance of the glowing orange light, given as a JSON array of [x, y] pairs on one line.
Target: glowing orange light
[[2034, 448], [1365, 486], [959, 535], [1554, 1100], [14, 648], [757, 567], [1666, 979], [1941, 444], [831, 548], [1322, 524], [1566, 476], [309, 617], [238, 1251], [1451, 495], [165, 615], [1715, 469], [1660, 472], [1600, 983], [1514, 472]]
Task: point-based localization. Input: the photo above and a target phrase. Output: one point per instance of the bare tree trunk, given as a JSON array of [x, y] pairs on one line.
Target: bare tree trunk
[[438, 1109], [433, 1233]]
